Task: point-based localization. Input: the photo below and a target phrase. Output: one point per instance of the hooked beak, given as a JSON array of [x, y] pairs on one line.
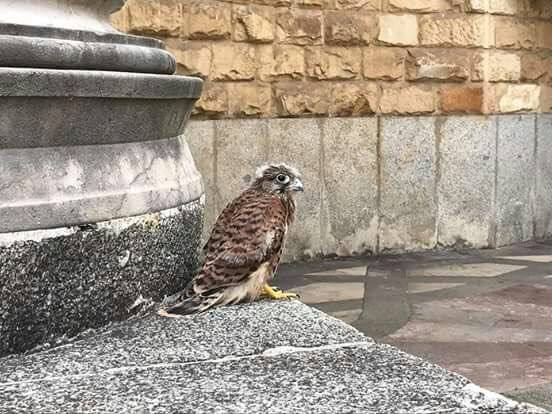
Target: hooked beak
[[297, 185]]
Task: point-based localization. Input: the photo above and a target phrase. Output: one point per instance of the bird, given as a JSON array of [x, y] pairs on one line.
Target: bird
[[245, 245]]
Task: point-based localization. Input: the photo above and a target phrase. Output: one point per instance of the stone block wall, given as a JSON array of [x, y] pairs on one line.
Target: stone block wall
[[391, 184], [287, 58], [417, 124]]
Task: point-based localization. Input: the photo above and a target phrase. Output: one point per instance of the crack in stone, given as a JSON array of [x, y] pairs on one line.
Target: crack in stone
[[268, 353]]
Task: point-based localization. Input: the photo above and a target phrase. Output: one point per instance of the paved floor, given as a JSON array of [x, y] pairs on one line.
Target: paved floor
[[485, 314]]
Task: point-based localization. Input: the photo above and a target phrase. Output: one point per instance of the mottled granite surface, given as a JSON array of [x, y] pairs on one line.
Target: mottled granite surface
[[56, 284], [267, 357]]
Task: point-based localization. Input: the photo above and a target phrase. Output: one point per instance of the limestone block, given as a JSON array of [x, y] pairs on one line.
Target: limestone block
[[213, 101], [349, 28], [206, 20], [233, 61], [534, 66], [462, 99], [298, 98], [192, 58], [479, 65], [540, 8], [512, 98], [451, 65], [200, 136], [546, 98], [146, 17], [407, 100], [319, 3], [383, 62], [120, 20], [358, 98], [253, 23], [247, 99], [358, 4], [401, 30], [299, 26], [297, 142], [331, 63], [466, 185], [274, 3], [477, 6], [407, 163], [543, 207], [241, 147], [506, 6], [504, 66], [515, 179], [544, 35], [351, 185], [444, 30], [515, 33], [280, 62], [419, 6]]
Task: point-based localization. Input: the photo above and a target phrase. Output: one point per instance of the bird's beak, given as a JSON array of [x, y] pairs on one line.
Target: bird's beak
[[297, 185]]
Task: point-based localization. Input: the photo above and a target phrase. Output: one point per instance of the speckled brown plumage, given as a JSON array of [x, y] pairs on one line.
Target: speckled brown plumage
[[246, 243]]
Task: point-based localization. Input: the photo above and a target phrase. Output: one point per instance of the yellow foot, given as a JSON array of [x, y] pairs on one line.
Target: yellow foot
[[275, 293]]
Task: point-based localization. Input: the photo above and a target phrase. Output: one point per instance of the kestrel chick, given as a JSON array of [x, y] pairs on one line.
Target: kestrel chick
[[245, 245]]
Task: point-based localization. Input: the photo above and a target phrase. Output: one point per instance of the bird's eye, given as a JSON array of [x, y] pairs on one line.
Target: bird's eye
[[282, 178]]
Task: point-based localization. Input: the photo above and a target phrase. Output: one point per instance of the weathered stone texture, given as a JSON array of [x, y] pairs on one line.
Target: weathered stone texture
[[206, 20], [407, 100], [408, 205], [301, 99], [280, 62], [359, 98], [383, 63], [534, 66], [297, 142], [466, 184], [200, 136], [301, 27], [462, 99], [442, 30], [351, 185], [504, 66], [400, 30], [358, 4], [333, 62], [193, 58], [513, 98], [233, 61], [543, 199], [249, 99], [419, 6], [546, 98], [544, 35], [213, 101], [437, 64], [515, 179], [310, 44], [349, 28], [154, 18], [253, 23], [241, 147], [515, 33]]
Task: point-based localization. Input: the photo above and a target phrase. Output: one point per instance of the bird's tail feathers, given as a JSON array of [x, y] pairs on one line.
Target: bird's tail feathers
[[194, 304]]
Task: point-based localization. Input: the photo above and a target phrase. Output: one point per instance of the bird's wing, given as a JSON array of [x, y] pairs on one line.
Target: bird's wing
[[243, 239]]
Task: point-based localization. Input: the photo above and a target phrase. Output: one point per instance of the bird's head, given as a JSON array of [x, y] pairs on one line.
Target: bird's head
[[280, 179]]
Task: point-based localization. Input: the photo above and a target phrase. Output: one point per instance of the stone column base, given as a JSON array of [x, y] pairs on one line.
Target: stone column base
[[59, 282]]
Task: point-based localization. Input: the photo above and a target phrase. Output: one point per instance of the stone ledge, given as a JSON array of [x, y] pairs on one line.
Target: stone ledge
[[263, 357]]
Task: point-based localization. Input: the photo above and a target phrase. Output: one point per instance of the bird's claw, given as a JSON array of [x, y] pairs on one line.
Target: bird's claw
[[277, 294]]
